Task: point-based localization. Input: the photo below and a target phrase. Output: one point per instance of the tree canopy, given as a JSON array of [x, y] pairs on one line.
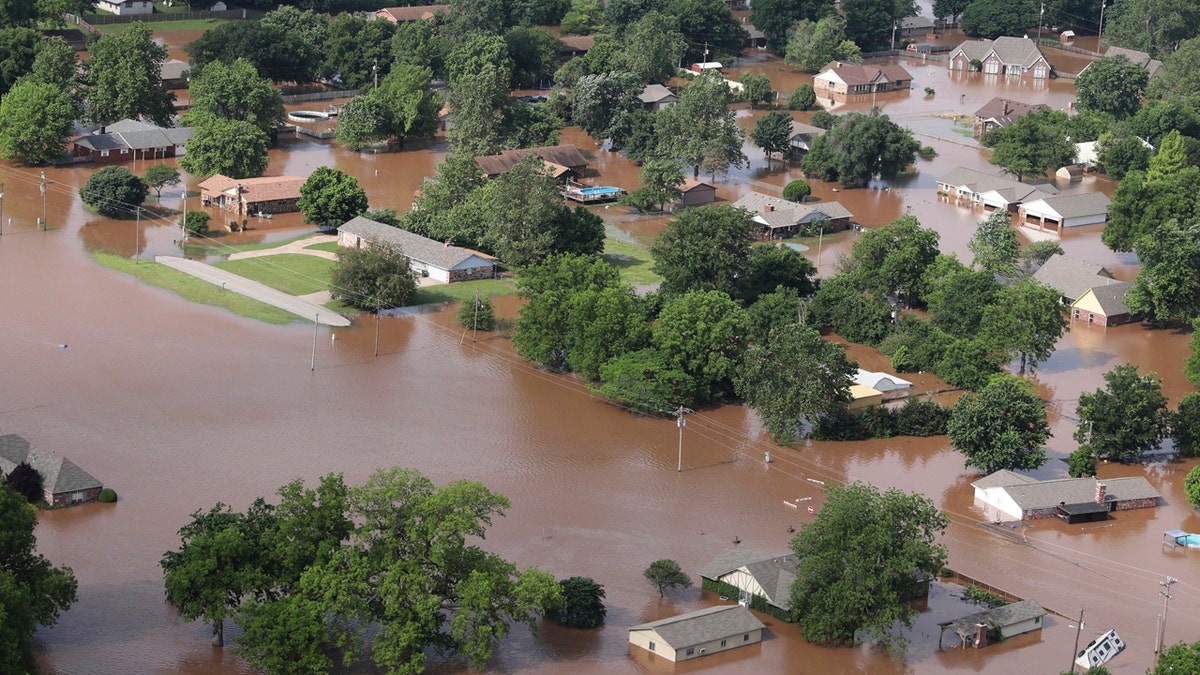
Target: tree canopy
[[234, 148], [35, 122], [113, 191], [995, 244], [776, 18], [892, 259], [989, 19], [1026, 320], [277, 52], [331, 197], [772, 133], [1002, 427], [1153, 26], [860, 147], [666, 575], [376, 276], [1112, 85], [583, 603], [1179, 657], [234, 91], [1168, 282], [859, 563], [123, 73], [1124, 420], [701, 131], [703, 249], [812, 44], [1034, 143]]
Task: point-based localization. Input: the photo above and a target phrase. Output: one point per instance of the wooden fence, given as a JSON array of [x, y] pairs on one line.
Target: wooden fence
[[965, 581], [321, 95]]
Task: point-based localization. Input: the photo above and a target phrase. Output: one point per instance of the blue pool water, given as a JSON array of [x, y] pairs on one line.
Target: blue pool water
[[1191, 541], [797, 247], [603, 190]]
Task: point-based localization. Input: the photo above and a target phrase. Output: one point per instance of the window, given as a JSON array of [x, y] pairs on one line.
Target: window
[[746, 637], [104, 153], [124, 151], [1037, 619], [652, 646], [690, 651], [1012, 70], [1039, 71], [722, 643], [992, 67]]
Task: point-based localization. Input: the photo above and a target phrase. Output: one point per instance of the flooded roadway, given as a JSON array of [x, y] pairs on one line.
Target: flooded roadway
[[178, 406]]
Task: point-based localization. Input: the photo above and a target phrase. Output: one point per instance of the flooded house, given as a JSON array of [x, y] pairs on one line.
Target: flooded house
[[63, 482], [839, 79], [1007, 496], [1072, 277], [656, 97], [427, 257], [410, 14], [699, 633], [761, 580], [778, 218], [990, 191], [1063, 211], [131, 140], [1001, 112], [998, 623], [252, 196], [1012, 56], [565, 162]]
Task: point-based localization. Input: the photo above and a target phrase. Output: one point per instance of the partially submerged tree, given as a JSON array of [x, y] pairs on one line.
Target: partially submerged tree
[[234, 148], [159, 176], [665, 575], [812, 44], [772, 133], [860, 147], [995, 244], [376, 276], [1124, 420], [1112, 85], [27, 482], [124, 78], [583, 603], [35, 122], [702, 249], [113, 191], [1003, 427], [1031, 145], [331, 197]]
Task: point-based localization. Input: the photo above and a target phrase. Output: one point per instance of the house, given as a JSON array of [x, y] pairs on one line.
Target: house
[[1104, 305], [990, 191], [564, 161], [252, 196], [428, 258], [707, 65], [1008, 496], [174, 74], [916, 25], [62, 481], [1062, 211], [126, 7], [802, 138], [1072, 277], [410, 14], [696, 193], [1001, 112], [755, 38], [571, 46], [762, 580], [1004, 622], [656, 97], [131, 140], [863, 396], [839, 78], [1087, 154], [1014, 56], [777, 218], [883, 382], [1153, 66], [696, 634]]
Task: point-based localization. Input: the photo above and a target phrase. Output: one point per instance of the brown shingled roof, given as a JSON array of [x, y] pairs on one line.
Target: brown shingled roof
[[418, 13], [264, 189]]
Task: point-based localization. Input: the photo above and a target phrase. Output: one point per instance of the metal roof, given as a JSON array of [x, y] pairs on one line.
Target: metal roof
[[705, 625]]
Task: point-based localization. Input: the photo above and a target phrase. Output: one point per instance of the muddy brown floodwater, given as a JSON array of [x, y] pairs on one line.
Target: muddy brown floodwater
[[178, 406]]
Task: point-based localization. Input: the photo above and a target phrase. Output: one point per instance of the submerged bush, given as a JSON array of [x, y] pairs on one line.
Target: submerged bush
[[107, 496]]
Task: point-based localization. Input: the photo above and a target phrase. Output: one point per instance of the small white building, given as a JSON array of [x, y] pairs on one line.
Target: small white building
[[700, 633], [126, 7], [881, 381], [1062, 211]]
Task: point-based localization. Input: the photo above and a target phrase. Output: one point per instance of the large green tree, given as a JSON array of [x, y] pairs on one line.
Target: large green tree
[[1112, 85], [534, 52], [708, 25], [234, 91], [1180, 75], [842, 305], [666, 575], [1185, 425], [35, 122], [374, 277], [859, 564], [278, 53], [1031, 145], [234, 148], [1168, 282], [124, 81], [1002, 427], [651, 48], [358, 50], [18, 49], [704, 249], [701, 131], [1026, 320], [583, 603], [478, 101], [114, 191], [812, 44], [32, 591], [362, 122], [703, 335], [603, 104], [331, 197], [892, 259], [869, 23], [1124, 420], [990, 19], [949, 9], [1154, 26], [995, 244], [1180, 657], [792, 377], [769, 268], [1145, 200], [860, 147], [775, 18], [772, 133]]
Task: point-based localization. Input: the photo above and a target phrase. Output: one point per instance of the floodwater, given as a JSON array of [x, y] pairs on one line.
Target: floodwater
[[177, 406]]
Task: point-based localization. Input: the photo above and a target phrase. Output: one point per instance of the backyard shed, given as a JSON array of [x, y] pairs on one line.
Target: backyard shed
[[696, 193], [696, 634], [881, 381], [862, 396], [428, 258]]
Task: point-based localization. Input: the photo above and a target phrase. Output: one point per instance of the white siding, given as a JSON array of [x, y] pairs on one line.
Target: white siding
[[997, 504], [1080, 221], [742, 579], [1026, 626], [643, 638]]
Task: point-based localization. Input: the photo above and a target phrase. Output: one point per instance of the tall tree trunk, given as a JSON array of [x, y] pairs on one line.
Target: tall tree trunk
[[218, 635]]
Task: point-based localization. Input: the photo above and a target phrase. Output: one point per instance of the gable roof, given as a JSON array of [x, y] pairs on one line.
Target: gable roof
[[705, 625], [135, 135], [859, 73], [254, 190], [690, 184], [415, 13], [1073, 205], [802, 129], [564, 155], [911, 22], [1110, 297], [1071, 277], [576, 43], [873, 379], [1048, 493], [1010, 50], [1152, 66], [1005, 111], [728, 561], [1002, 478], [997, 617], [174, 69], [416, 247], [59, 475], [777, 212], [654, 93], [775, 574]]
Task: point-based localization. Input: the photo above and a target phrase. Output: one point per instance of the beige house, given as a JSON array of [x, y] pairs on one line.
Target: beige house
[[1061, 211], [1103, 305], [252, 196], [762, 580], [700, 633], [840, 79]]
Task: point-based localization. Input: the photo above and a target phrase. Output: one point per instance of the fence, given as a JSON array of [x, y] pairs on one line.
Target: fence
[[965, 580], [104, 19], [321, 96]]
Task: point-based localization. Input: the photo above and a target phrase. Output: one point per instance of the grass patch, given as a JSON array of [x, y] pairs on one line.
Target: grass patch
[[162, 26], [488, 288], [192, 289], [227, 249], [292, 273], [632, 260], [330, 246]]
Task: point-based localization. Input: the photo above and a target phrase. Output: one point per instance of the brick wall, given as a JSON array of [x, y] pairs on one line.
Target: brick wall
[[64, 499], [473, 274], [1129, 504]]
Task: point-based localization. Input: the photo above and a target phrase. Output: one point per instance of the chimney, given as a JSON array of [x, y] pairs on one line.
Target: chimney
[[839, 64], [770, 208], [1101, 492], [981, 635]]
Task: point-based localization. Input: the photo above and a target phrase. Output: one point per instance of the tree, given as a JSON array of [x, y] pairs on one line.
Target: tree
[[662, 177], [860, 147], [769, 268], [478, 101], [358, 50], [651, 48], [951, 9], [1119, 156], [422, 44], [859, 561], [534, 52], [1081, 462], [1034, 143], [958, 298], [891, 260], [1153, 26], [18, 51], [1191, 367], [1184, 425], [35, 122], [756, 88], [792, 377], [584, 17], [621, 13], [362, 122], [797, 190], [477, 314], [159, 176], [374, 277], [989, 19], [1140, 204], [233, 148], [1168, 282], [702, 334], [276, 52], [234, 91], [308, 26], [55, 64], [1039, 252], [811, 44], [1026, 320], [1179, 657], [708, 22], [803, 97], [604, 104], [123, 74], [995, 244], [842, 306], [27, 482], [773, 132], [775, 18], [113, 191], [645, 381], [1002, 427], [331, 197], [1112, 85], [35, 592], [196, 222], [1124, 420], [1180, 74], [701, 131], [870, 22], [665, 575], [1088, 126], [583, 603], [704, 249]]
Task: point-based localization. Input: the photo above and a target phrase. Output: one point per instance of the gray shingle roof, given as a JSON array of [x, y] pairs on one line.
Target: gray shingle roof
[[980, 182], [1071, 277], [416, 247], [728, 561], [1111, 297], [774, 573], [777, 212], [1048, 493], [911, 22], [174, 69], [1076, 205], [653, 93], [703, 626], [999, 617], [136, 136], [1011, 50], [802, 129], [1002, 478], [59, 475], [1152, 66]]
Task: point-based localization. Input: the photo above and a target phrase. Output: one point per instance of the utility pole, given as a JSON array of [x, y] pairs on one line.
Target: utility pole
[[706, 51], [1078, 630], [376, 328], [894, 25], [375, 71], [183, 223], [1162, 632], [316, 324], [681, 423], [42, 187], [137, 237], [475, 330], [1100, 35], [1, 209], [1040, 15]]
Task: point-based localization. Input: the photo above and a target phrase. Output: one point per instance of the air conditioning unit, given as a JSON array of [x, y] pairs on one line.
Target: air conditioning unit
[[702, 650]]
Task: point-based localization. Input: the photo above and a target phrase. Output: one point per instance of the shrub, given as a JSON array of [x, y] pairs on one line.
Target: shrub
[[922, 417], [107, 496], [1191, 487], [976, 65], [486, 316], [26, 481], [929, 91], [196, 222], [926, 152], [803, 98], [114, 192], [1081, 463], [796, 190], [824, 119]]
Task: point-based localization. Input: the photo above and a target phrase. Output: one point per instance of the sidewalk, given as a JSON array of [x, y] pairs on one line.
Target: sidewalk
[[297, 246], [255, 290]]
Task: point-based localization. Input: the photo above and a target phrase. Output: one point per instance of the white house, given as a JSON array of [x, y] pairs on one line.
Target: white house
[[1062, 211], [977, 188], [126, 7], [880, 381], [754, 573], [1008, 496], [700, 633], [428, 258]]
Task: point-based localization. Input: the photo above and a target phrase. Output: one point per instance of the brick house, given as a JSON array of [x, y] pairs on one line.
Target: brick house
[[130, 140], [1001, 112], [1013, 56], [63, 483], [1008, 496], [563, 161], [250, 196]]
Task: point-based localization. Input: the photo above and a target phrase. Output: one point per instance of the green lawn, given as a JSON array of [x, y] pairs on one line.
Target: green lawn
[[488, 288], [226, 249], [192, 289], [292, 273], [632, 260], [330, 246]]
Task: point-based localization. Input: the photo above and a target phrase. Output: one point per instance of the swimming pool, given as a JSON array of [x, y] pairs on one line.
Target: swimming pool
[[796, 247], [602, 190], [1190, 541]]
